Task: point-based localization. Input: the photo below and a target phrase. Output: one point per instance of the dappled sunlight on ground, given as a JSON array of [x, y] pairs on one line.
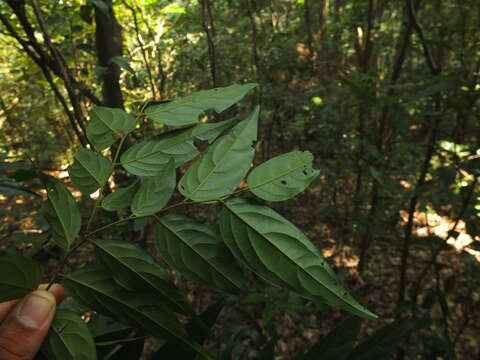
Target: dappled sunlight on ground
[[428, 224]]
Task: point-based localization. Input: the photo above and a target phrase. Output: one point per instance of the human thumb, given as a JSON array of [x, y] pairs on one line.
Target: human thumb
[[23, 331]]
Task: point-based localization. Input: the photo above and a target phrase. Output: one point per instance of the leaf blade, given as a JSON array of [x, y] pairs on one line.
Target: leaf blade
[[185, 111], [282, 177], [94, 287], [179, 238], [154, 192], [69, 338], [120, 198], [63, 215], [134, 269], [90, 171], [222, 167], [18, 276], [147, 157], [278, 251], [107, 125]]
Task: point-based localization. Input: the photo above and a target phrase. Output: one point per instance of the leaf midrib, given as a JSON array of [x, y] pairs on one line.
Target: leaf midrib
[[178, 103], [172, 231], [235, 139], [125, 264], [57, 212], [278, 177], [62, 340], [106, 124], [130, 307], [190, 137], [288, 257], [92, 173]]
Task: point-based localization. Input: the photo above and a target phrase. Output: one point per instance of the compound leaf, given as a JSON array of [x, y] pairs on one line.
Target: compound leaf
[[134, 269], [282, 177], [154, 192], [221, 168], [69, 338], [186, 110], [120, 198], [90, 171], [194, 250], [94, 287], [18, 276], [63, 214], [279, 252], [107, 125]]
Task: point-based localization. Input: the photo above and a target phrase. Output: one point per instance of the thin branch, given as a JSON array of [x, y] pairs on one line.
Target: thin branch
[[433, 66], [142, 47], [207, 25], [46, 72], [63, 67]]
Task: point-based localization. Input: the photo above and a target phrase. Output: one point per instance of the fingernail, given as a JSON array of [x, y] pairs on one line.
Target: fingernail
[[36, 309]]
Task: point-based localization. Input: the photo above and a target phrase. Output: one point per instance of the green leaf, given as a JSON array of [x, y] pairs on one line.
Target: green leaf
[[90, 171], [69, 338], [171, 350], [107, 125], [94, 287], [63, 215], [120, 198], [386, 340], [338, 344], [219, 171], [134, 269], [147, 157], [154, 192], [186, 110], [194, 250], [280, 253], [18, 276], [282, 177], [123, 62]]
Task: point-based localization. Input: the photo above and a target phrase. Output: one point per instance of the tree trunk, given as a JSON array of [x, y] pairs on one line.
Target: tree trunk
[[108, 41]]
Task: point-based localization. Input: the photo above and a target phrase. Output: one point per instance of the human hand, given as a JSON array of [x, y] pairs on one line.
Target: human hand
[[24, 323]]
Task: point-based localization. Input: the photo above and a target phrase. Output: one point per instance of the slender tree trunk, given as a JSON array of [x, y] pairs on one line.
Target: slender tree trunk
[[108, 41], [322, 20], [209, 30], [308, 26], [382, 130], [435, 70], [253, 26]]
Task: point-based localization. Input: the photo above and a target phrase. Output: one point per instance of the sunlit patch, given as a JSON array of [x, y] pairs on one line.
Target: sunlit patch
[[430, 223], [95, 195], [406, 184], [63, 174]]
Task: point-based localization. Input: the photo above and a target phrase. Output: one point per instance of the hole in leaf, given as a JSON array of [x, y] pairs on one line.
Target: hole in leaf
[[283, 182], [305, 172], [182, 187]]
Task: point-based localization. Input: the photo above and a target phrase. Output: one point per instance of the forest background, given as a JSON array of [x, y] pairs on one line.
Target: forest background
[[385, 94]]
